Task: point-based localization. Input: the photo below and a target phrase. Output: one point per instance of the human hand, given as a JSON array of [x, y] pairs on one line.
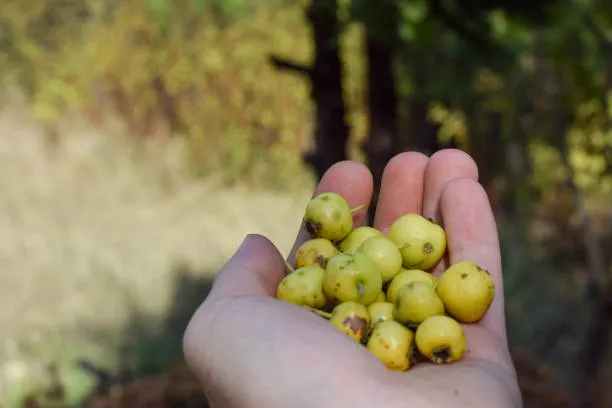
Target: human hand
[[249, 349]]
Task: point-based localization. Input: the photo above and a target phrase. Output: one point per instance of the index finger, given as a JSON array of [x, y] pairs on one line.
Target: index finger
[[354, 182], [472, 236]]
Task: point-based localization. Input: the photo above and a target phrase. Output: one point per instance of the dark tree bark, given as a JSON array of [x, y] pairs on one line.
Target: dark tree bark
[[487, 148], [331, 130], [422, 132], [383, 137]]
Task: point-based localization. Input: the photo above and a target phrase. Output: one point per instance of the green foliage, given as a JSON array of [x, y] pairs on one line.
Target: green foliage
[[355, 86], [199, 68], [590, 143], [177, 65], [413, 15], [380, 18]]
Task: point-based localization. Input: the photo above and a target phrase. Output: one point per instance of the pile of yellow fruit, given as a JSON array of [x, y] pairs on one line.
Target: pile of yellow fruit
[[378, 290]]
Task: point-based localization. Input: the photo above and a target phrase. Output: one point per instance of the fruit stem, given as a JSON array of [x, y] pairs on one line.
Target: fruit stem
[[288, 265], [361, 289], [319, 312], [359, 207]]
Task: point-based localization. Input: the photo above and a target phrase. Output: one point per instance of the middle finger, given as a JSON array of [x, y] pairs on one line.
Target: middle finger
[[443, 167], [401, 190]]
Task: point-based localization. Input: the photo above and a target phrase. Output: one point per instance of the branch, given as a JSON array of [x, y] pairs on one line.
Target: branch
[[105, 380], [284, 64]]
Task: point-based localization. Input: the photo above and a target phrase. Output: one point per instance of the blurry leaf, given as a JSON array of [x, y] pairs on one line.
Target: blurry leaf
[[344, 11], [232, 8], [499, 24], [413, 11], [198, 5], [380, 18]]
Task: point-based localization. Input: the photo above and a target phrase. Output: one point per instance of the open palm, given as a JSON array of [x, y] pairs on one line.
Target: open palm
[[251, 350]]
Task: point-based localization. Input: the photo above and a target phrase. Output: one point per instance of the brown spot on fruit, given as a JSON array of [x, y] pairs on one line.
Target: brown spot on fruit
[[325, 198], [313, 228], [321, 260], [427, 248], [442, 355], [464, 275], [357, 325]]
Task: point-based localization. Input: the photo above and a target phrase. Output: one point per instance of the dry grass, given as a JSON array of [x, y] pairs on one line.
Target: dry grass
[[97, 228]]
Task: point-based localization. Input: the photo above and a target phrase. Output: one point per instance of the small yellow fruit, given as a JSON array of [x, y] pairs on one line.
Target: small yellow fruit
[[329, 216], [316, 251], [416, 302], [421, 241], [392, 344], [381, 297], [385, 255], [303, 287], [380, 311], [356, 237], [352, 276], [441, 339], [406, 276], [467, 291], [352, 319]]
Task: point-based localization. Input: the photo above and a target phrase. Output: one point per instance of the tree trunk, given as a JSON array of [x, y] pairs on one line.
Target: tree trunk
[[331, 130], [423, 133], [487, 148], [383, 137]]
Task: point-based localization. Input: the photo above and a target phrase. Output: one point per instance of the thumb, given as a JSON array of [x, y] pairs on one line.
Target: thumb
[[256, 268]]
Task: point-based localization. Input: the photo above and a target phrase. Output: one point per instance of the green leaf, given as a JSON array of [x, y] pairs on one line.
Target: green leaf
[[232, 8]]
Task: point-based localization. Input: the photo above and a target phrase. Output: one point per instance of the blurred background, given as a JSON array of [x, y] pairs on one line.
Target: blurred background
[[141, 140]]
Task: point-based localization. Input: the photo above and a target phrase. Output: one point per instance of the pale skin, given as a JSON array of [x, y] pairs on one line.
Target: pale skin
[[250, 350]]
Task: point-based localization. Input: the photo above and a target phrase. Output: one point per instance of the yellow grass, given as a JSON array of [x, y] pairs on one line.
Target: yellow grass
[[96, 231]]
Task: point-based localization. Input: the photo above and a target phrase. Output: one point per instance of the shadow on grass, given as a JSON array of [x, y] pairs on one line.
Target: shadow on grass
[[151, 371], [149, 351], [161, 343]]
